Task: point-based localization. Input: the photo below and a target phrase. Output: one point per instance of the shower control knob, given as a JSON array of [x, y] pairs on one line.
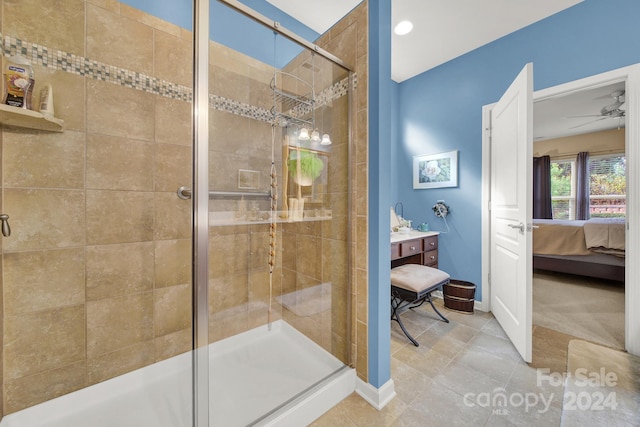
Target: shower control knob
[[6, 229]]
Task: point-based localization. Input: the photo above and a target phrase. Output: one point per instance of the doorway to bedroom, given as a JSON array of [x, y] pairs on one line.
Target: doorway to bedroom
[[579, 209]]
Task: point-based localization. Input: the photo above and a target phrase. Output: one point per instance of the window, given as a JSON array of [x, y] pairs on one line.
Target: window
[[563, 189], [607, 187]]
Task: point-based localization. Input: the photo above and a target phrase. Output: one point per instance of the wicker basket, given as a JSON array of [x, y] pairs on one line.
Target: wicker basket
[[459, 296]]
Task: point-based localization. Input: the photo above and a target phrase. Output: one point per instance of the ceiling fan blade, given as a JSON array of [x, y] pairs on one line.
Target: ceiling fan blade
[[611, 107], [584, 124], [616, 94]]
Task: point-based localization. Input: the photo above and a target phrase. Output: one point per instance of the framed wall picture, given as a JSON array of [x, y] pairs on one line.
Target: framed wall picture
[[435, 170]]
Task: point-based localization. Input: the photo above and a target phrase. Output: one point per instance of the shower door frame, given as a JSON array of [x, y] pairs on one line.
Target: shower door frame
[[200, 212], [200, 189]]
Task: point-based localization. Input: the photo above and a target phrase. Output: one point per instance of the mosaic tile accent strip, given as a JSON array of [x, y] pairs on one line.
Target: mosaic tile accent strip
[[240, 108], [74, 64]]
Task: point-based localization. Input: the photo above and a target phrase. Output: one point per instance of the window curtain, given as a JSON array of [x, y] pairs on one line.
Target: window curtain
[[582, 185], [542, 188]]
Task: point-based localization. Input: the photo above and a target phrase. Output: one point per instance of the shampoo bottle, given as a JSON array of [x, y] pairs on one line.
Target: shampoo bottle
[[46, 100], [18, 82]]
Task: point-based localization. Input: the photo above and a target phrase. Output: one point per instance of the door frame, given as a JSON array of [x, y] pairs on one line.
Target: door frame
[[631, 76]]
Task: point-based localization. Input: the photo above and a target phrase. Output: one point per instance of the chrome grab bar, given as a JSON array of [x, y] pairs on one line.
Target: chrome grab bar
[[185, 193]]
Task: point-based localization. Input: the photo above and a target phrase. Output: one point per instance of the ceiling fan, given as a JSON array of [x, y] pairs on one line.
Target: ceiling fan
[[611, 111]]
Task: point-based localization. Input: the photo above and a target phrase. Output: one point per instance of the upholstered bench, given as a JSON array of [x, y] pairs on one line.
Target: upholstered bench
[[411, 285]]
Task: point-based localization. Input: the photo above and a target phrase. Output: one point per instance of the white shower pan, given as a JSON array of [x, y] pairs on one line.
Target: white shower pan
[[251, 374]]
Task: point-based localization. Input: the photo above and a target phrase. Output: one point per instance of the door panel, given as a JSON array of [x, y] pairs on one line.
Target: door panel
[[511, 193]]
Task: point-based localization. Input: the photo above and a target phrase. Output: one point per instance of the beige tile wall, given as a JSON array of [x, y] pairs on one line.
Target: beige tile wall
[[97, 269], [348, 39], [101, 244], [309, 253]]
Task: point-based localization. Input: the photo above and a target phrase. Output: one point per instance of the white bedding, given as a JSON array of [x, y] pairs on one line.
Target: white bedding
[[577, 237], [605, 235]]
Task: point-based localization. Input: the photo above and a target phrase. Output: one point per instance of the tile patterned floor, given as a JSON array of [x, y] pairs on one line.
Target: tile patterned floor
[[470, 356]]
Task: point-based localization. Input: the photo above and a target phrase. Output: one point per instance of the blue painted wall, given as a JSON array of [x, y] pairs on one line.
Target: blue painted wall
[[380, 123], [440, 110], [233, 29]]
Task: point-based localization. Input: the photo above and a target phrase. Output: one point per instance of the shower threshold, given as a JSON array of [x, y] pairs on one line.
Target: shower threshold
[[259, 370], [251, 374]]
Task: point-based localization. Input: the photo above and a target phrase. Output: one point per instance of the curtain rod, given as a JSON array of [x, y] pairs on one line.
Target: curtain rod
[[572, 156], [275, 26]]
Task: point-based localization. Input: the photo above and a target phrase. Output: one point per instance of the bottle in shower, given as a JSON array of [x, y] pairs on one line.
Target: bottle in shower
[[18, 82]]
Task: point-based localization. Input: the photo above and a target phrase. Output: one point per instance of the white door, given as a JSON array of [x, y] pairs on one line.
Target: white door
[[511, 211]]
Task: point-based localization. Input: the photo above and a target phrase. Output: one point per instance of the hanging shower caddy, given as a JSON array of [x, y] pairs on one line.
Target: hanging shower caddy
[[293, 107]]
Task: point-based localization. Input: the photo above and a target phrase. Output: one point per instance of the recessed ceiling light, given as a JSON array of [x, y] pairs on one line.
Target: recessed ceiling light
[[403, 27]]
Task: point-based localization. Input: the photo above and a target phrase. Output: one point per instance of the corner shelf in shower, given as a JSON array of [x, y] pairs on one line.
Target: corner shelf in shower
[[22, 118]]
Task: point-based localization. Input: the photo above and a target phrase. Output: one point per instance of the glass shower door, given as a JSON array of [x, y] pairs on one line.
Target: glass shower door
[[110, 278], [278, 294], [96, 276]]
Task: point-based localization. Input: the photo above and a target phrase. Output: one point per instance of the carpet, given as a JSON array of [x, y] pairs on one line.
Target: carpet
[[602, 387], [550, 349], [586, 308]]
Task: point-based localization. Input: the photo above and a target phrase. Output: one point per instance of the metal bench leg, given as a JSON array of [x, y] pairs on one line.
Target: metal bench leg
[[395, 305], [428, 298]]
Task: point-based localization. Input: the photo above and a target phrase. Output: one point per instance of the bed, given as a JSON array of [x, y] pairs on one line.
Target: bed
[[593, 248]]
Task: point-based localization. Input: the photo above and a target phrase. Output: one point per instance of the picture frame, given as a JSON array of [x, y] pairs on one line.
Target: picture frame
[[435, 170]]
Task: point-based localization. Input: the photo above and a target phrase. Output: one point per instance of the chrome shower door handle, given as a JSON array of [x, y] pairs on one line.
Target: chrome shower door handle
[[6, 229], [519, 227]]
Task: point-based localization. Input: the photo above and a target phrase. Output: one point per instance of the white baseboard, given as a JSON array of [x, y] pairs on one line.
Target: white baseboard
[[481, 306], [376, 397]]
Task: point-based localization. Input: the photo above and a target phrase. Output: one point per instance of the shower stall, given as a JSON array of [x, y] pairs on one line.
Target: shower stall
[[178, 249]]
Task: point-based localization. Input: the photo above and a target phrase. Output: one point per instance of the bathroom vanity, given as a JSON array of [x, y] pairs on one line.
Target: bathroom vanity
[[415, 247]]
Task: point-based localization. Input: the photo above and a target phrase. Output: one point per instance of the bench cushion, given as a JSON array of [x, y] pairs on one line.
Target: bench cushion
[[416, 277]]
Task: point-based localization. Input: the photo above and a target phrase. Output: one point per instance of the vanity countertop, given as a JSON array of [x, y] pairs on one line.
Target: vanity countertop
[[413, 234]]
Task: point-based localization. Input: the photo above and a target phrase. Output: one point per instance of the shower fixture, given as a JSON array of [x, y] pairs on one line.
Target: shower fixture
[[290, 109], [304, 134], [315, 134]]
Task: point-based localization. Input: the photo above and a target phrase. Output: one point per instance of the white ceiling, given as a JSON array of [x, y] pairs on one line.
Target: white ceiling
[[319, 15], [556, 117], [446, 29], [442, 30]]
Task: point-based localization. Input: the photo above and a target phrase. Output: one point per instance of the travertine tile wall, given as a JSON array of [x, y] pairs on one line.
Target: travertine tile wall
[[318, 253], [97, 273], [309, 253], [97, 269], [348, 39], [238, 273]]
